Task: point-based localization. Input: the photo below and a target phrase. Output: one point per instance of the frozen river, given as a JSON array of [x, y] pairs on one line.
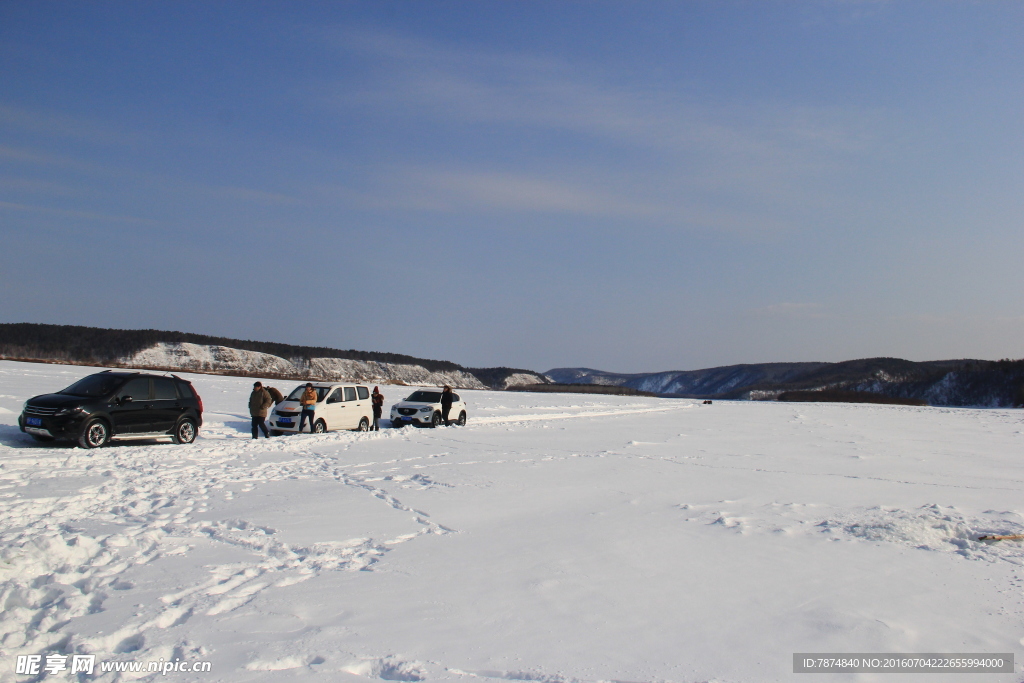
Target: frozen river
[[554, 538]]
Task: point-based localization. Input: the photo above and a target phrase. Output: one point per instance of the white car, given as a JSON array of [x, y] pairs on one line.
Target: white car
[[339, 406], [423, 408]]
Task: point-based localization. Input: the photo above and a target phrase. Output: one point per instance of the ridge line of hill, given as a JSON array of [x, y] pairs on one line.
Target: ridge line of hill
[[965, 382], [106, 346]]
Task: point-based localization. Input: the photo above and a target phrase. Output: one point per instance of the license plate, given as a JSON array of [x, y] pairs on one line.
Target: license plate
[[35, 421], [285, 422]]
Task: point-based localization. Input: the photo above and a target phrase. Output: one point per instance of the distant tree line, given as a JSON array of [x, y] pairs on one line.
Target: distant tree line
[[952, 382], [99, 346]]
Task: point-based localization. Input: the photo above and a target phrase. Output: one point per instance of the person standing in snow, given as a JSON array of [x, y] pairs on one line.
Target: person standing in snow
[[446, 404], [308, 401], [275, 394], [259, 403], [378, 407]]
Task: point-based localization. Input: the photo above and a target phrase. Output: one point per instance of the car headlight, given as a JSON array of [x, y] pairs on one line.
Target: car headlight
[[426, 409], [67, 411]]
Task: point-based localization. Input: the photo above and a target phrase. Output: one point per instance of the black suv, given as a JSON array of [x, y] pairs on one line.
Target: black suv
[[119, 405]]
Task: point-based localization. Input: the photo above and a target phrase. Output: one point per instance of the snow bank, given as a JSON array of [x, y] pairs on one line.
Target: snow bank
[[929, 527]]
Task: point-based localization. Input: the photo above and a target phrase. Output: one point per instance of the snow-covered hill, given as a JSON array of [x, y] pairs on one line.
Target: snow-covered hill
[[944, 383], [201, 358], [713, 381], [165, 349]]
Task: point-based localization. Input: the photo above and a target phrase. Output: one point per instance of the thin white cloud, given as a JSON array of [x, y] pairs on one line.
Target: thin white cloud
[[956, 320], [231, 193], [37, 186], [791, 310], [927, 319], [53, 124], [456, 190], [37, 158], [248, 195], [76, 214], [593, 196], [754, 169], [479, 86]]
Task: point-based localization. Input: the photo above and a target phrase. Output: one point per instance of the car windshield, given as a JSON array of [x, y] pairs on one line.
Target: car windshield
[[94, 386], [425, 396], [297, 394]]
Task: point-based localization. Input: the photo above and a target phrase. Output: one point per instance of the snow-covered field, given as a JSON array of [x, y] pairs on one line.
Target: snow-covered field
[[554, 538]]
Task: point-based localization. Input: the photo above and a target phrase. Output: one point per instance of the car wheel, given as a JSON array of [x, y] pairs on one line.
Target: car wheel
[[42, 438], [185, 432], [276, 432], [320, 427], [435, 420], [95, 435], [364, 425], [462, 419]]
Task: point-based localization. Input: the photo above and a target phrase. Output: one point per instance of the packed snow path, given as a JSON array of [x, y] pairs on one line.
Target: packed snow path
[[554, 538]]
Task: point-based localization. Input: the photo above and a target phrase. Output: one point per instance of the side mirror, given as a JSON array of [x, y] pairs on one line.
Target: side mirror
[[125, 399]]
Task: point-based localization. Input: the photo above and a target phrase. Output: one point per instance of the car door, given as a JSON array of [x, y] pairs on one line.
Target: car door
[[351, 409], [167, 407], [132, 407], [334, 409], [364, 405]]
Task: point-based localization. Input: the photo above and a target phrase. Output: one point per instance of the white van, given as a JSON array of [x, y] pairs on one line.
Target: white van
[[338, 406]]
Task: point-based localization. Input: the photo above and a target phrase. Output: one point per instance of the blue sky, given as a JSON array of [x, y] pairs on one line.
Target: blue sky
[[631, 186]]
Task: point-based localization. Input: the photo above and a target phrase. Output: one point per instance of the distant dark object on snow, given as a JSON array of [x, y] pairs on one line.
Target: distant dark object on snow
[[580, 389], [835, 396], [706, 402]]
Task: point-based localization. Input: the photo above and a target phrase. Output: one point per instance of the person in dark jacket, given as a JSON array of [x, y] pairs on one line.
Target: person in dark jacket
[[446, 404], [259, 403], [275, 394], [378, 407]]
